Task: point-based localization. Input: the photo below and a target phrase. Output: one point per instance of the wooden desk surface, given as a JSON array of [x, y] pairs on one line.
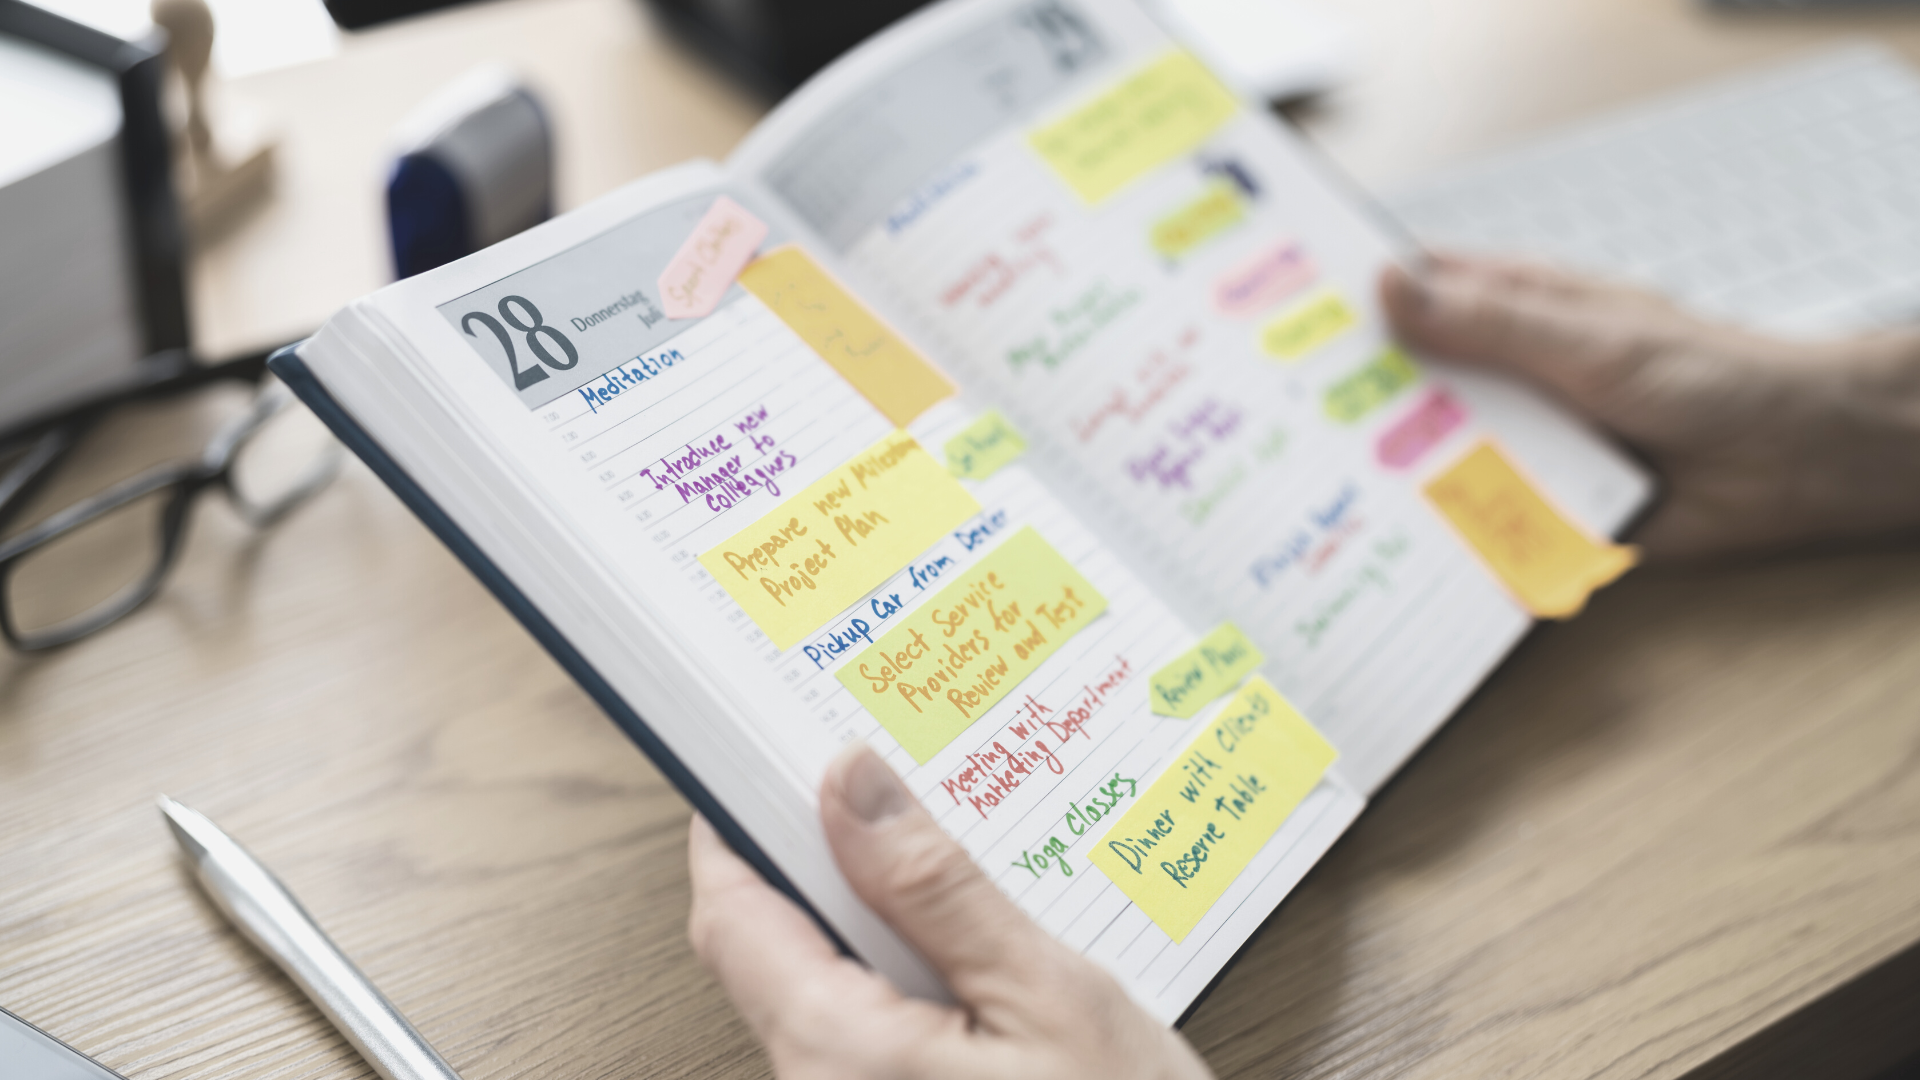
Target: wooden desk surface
[[1668, 839]]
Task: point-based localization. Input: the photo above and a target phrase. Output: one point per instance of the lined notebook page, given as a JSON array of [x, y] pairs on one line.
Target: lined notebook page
[[663, 442], [1179, 316]]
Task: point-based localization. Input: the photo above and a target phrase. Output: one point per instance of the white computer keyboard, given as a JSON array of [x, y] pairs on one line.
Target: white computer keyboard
[[1787, 200]]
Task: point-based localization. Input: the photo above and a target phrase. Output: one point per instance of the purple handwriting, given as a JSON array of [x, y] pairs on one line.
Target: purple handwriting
[[1201, 428], [713, 472]]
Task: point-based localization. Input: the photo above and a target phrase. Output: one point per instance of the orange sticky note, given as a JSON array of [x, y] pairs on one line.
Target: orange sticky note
[[1549, 564], [898, 380]]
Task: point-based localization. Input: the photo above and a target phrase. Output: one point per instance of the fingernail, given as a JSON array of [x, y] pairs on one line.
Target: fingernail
[[869, 785]]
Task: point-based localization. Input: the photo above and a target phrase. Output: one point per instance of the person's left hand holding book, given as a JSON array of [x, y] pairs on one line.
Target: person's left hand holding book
[[1027, 1006]]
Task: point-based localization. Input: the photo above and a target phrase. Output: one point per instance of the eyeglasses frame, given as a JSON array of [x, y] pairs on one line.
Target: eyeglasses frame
[[188, 479]]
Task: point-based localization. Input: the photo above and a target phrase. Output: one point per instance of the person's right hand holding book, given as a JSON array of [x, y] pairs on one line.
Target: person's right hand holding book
[[1763, 443]]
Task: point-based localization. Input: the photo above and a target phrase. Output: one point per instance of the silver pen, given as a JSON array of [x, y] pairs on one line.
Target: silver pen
[[274, 921]]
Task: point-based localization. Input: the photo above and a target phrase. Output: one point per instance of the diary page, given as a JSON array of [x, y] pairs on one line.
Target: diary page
[[1171, 299], [801, 499]]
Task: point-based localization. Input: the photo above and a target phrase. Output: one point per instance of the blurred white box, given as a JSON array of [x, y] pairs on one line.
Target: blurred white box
[[69, 317]]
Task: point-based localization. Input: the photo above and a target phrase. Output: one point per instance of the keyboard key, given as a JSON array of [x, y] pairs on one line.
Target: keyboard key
[[1788, 199]]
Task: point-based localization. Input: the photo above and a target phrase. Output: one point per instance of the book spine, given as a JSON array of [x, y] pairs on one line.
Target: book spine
[[293, 371]]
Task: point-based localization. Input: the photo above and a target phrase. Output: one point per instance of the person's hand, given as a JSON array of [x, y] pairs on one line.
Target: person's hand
[[1763, 443], [1028, 1006]]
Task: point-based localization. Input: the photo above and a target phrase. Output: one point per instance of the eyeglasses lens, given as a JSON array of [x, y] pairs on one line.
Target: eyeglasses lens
[[287, 459], [87, 574]]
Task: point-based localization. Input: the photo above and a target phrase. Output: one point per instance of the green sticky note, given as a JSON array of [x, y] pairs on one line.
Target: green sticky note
[[987, 445], [1199, 221], [1372, 386], [1204, 672], [1308, 325], [956, 656]]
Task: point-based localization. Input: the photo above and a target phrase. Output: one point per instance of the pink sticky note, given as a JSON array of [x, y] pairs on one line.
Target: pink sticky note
[[1420, 430], [699, 273], [1264, 280]]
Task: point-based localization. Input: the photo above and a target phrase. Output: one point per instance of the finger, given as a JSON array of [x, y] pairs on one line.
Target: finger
[[819, 1013], [1574, 337], [1519, 272], [923, 883], [1482, 311], [762, 949]]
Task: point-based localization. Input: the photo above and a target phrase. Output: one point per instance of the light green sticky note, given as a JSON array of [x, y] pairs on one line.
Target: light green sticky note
[[1204, 672], [1308, 325], [953, 658], [1372, 386], [987, 445]]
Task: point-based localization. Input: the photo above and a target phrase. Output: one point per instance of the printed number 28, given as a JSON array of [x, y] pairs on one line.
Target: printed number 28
[[533, 329]]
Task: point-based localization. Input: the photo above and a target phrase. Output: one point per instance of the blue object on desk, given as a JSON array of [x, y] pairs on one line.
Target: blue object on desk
[[475, 166]]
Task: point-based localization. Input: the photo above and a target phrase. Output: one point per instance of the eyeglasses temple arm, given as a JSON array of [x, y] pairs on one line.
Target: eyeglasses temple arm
[[26, 475]]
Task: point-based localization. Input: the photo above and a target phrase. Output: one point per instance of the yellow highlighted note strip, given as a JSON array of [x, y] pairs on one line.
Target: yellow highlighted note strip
[[984, 448], [1201, 674], [1192, 833], [1549, 564], [1307, 325], [1165, 110], [964, 649], [828, 546], [1199, 221], [899, 382]]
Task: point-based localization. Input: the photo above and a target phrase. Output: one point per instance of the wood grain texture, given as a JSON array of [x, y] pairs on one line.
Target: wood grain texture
[[346, 700], [1666, 840], [1658, 830]]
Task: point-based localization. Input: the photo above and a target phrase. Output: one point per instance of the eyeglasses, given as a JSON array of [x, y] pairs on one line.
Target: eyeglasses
[[96, 561]]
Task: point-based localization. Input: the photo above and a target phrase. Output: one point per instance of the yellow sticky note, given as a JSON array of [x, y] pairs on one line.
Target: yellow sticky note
[[1191, 834], [898, 380], [1549, 564], [984, 448], [1379, 382], [818, 552], [1307, 325], [1165, 110], [952, 658], [1204, 672], [1199, 221]]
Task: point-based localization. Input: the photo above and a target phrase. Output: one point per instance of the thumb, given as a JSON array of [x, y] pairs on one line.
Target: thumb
[[926, 886], [1570, 336]]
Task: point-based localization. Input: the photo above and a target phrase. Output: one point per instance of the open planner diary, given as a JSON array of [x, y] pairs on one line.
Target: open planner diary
[[1016, 399]]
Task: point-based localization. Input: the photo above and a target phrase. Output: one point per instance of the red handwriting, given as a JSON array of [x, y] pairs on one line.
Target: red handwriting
[[1163, 370], [992, 275], [1331, 544], [994, 772]]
